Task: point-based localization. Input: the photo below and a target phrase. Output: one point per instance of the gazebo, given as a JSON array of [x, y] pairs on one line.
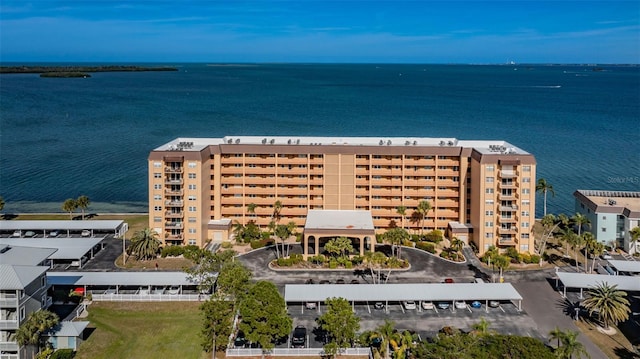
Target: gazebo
[[339, 223]]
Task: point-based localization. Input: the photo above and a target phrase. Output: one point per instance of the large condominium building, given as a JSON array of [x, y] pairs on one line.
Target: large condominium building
[[611, 214], [484, 191]]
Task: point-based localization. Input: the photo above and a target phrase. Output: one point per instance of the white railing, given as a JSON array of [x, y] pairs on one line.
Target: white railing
[[149, 297], [241, 352], [9, 346], [9, 356]]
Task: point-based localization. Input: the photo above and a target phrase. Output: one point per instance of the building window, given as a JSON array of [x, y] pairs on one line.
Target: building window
[[526, 202], [157, 164], [525, 224], [524, 248], [604, 229], [524, 236], [488, 202], [192, 198], [488, 190], [489, 179], [157, 186], [490, 168], [525, 191], [192, 219], [192, 208], [22, 313], [43, 281], [157, 175], [526, 168], [192, 175], [157, 219], [526, 180], [192, 242], [488, 224], [488, 213], [157, 208], [604, 217], [525, 213], [157, 197], [192, 230], [488, 236], [192, 186], [191, 165]]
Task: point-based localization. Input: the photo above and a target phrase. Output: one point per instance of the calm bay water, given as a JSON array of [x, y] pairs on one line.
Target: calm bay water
[[61, 138]]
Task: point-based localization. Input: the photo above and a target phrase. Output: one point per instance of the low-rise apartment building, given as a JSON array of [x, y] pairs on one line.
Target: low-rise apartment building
[[612, 214], [196, 184]]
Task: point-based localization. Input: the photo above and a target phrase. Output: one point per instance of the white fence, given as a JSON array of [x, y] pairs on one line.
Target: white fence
[[149, 297], [241, 352]]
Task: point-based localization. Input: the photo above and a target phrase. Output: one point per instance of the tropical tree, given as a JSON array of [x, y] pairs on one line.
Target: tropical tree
[[37, 323], [482, 327], [578, 241], [83, 203], [423, 209], [207, 265], [557, 334], [609, 302], [251, 209], [634, 233], [264, 315], [502, 262], [596, 250], [217, 323], [571, 346], [238, 232], [396, 236], [401, 342], [375, 261], [276, 215], [283, 232], [402, 211], [456, 244], [580, 220], [543, 187], [384, 333], [339, 247], [568, 237], [341, 324], [233, 281], [588, 240], [145, 244], [70, 206]]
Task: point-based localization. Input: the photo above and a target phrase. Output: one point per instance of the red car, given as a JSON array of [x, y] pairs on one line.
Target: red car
[[448, 280]]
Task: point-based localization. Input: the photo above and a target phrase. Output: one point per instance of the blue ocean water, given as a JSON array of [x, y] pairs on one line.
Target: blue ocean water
[[61, 138]]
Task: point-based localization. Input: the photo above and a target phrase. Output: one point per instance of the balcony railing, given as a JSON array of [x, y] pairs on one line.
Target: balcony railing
[[511, 230], [173, 169], [9, 324], [510, 208], [9, 301], [508, 173], [173, 192], [170, 214], [9, 346], [507, 241], [173, 181], [173, 203], [174, 225]]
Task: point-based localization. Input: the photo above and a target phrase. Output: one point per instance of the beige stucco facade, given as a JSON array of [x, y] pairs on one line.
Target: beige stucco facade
[[194, 181]]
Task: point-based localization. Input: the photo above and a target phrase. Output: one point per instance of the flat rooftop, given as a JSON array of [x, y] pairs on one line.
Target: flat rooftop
[[611, 200], [19, 255], [482, 146], [119, 278], [50, 225], [339, 220], [64, 248]]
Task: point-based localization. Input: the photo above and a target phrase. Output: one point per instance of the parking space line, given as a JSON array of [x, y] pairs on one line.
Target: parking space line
[[469, 309], [502, 309]]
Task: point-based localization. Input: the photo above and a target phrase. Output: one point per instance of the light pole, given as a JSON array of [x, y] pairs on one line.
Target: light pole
[[125, 228]]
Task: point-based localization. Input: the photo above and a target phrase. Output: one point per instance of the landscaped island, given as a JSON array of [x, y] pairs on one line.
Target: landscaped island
[[77, 71]]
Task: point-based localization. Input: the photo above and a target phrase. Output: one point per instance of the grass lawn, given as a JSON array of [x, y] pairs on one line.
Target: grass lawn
[[168, 263], [143, 330], [614, 346]]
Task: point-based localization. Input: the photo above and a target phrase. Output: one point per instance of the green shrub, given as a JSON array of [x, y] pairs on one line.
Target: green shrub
[[297, 258], [445, 254], [319, 259], [434, 236], [63, 354], [333, 264], [261, 243], [357, 260], [172, 251], [426, 246], [265, 235], [415, 237], [226, 245], [348, 265], [534, 258]]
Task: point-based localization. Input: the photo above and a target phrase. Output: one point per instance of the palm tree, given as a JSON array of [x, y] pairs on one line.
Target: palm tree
[[423, 209], [580, 220], [251, 209], [36, 324], [588, 240], [83, 203], [578, 241], [569, 237], [70, 206], [543, 187], [275, 217], [633, 244], [596, 249], [502, 262], [401, 210], [482, 327], [238, 232], [571, 346], [557, 334], [610, 303], [145, 244], [385, 332]]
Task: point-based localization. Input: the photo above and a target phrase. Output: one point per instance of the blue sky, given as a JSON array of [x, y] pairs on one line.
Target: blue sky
[[326, 31]]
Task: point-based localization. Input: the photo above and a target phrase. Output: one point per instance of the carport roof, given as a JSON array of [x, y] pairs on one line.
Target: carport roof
[[66, 248], [50, 225], [625, 266], [18, 255], [119, 278], [579, 280], [400, 292]]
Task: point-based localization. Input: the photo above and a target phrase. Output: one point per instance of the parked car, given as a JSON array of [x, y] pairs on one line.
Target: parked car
[[448, 280], [494, 303], [409, 304], [427, 305], [324, 281], [16, 234], [355, 281], [299, 337], [309, 281], [378, 305], [340, 281], [443, 305], [606, 255], [85, 233], [29, 234], [54, 233], [311, 305], [460, 304], [240, 340], [158, 290], [476, 304], [174, 289]]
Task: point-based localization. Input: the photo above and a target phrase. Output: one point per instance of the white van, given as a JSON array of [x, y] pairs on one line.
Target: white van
[[479, 280]]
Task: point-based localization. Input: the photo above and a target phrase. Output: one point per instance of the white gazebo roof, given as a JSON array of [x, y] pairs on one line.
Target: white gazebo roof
[[339, 220]]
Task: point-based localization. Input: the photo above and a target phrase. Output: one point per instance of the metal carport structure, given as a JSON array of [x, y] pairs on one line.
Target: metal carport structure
[[118, 227], [625, 266], [301, 293], [66, 248], [581, 281]]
